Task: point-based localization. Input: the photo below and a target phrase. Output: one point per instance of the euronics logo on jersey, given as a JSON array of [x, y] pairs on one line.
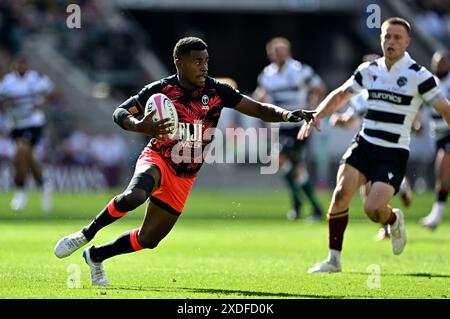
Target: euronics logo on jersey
[[390, 97], [235, 145]]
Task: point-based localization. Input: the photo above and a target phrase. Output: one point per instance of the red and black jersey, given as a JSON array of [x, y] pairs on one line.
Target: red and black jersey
[[198, 113]]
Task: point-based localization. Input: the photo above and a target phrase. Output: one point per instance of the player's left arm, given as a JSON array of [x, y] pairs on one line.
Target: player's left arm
[[265, 111], [317, 88], [442, 106], [431, 93], [48, 90], [270, 112]]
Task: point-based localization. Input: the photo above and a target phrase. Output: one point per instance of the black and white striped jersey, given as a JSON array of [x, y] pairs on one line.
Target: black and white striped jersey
[[22, 93], [289, 86], [394, 98], [440, 128]]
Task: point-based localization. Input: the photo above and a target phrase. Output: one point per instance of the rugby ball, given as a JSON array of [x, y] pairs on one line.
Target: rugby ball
[[164, 109]]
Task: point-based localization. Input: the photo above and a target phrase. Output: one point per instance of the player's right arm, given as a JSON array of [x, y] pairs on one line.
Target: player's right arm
[[335, 100], [130, 115]]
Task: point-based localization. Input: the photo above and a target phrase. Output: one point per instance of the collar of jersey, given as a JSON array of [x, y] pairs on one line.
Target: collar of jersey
[[184, 88], [404, 61]]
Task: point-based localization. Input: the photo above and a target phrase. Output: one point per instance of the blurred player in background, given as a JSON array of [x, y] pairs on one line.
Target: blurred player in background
[[440, 66], [350, 119], [24, 94], [397, 87], [159, 175], [289, 83]]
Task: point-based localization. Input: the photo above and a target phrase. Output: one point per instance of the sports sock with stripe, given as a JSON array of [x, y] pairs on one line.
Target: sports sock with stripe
[[125, 243], [337, 222], [112, 212]]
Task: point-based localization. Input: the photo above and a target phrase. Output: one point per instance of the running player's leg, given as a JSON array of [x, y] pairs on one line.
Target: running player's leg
[[442, 188], [305, 184], [405, 192], [166, 204], [378, 210], [144, 181], [36, 170], [377, 206], [288, 159], [157, 224], [21, 165], [349, 179], [299, 155], [288, 171], [383, 232]]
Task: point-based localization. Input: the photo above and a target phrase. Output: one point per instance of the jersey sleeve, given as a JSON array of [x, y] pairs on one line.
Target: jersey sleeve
[[136, 104], [355, 83], [359, 103], [312, 79], [45, 85], [428, 87], [229, 96]]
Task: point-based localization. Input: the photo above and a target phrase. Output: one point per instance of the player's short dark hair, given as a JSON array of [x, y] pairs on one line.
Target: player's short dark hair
[[398, 21], [185, 45]]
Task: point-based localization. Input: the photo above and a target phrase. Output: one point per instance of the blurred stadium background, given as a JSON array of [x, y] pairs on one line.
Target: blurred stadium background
[[124, 44]]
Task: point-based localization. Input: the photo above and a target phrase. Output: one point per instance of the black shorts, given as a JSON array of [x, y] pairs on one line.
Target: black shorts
[[31, 134], [443, 144], [291, 147], [377, 163]]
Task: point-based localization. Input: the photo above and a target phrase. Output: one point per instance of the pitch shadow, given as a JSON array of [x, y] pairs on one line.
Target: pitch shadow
[[230, 292]]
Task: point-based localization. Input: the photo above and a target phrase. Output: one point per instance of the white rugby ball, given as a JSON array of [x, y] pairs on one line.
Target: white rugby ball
[[164, 109]]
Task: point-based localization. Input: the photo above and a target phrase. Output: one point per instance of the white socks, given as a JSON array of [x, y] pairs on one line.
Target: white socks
[[334, 257]]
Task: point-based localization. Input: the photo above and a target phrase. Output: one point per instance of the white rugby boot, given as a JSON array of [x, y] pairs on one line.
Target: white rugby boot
[[19, 200], [398, 232], [98, 276], [325, 266], [67, 245], [433, 219], [332, 264]]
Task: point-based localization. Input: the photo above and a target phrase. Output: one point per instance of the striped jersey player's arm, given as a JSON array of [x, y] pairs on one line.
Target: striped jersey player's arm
[[428, 87]]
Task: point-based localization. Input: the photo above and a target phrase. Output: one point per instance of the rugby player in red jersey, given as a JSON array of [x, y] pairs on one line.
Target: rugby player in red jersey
[[164, 173]]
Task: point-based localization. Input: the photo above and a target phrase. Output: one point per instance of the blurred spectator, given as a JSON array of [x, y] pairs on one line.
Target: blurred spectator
[[433, 18], [109, 152], [76, 148]]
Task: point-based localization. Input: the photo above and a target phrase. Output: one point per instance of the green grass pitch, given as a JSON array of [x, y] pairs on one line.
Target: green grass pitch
[[226, 245]]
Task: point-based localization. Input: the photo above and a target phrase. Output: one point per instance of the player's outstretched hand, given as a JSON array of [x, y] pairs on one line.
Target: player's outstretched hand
[[155, 129], [299, 115], [306, 128]]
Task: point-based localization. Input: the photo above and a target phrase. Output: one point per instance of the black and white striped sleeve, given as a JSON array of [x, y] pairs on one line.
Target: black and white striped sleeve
[[428, 87], [355, 83], [312, 79]]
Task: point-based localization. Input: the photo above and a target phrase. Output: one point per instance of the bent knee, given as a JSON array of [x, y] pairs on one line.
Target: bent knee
[[373, 212], [135, 197], [147, 242]]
